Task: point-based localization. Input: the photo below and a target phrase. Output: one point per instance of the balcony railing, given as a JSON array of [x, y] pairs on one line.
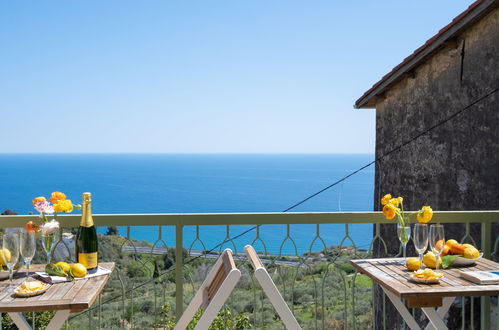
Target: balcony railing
[[320, 288]]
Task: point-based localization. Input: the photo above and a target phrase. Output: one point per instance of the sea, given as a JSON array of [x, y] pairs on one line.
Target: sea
[[201, 183]]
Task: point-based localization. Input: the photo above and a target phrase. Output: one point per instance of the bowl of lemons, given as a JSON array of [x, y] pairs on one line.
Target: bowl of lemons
[[4, 270]]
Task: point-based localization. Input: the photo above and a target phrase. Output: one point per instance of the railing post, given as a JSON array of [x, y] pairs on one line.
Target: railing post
[[179, 268], [485, 301]]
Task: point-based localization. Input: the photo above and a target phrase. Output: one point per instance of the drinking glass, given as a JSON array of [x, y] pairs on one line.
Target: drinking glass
[[404, 234], [420, 240], [437, 241], [28, 247], [11, 243], [48, 242]]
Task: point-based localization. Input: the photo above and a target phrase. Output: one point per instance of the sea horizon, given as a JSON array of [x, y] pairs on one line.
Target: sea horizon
[[198, 183]]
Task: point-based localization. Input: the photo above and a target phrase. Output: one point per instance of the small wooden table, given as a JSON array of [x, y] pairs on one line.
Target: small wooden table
[[394, 280], [65, 298]]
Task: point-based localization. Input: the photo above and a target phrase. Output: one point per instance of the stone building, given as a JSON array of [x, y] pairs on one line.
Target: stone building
[[447, 87]]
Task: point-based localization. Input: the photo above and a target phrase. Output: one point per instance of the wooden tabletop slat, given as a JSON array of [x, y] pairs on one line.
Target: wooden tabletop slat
[[394, 277], [75, 296]]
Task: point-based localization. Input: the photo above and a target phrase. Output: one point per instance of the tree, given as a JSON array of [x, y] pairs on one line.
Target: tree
[[8, 212], [112, 230]]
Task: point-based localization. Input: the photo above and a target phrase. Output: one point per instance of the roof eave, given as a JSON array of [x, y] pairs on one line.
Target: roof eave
[[448, 33]]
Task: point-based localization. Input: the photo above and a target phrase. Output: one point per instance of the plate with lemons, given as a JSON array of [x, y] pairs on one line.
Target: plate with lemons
[[31, 288], [426, 276]]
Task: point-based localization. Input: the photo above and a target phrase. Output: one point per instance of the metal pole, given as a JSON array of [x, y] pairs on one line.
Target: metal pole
[[485, 301], [179, 265]]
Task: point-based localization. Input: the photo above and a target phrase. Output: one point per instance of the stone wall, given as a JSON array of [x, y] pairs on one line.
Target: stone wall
[[455, 166]]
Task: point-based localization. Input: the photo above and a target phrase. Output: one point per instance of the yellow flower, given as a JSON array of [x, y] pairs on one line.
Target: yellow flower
[[57, 196], [389, 210], [38, 199], [386, 199], [425, 214], [396, 201], [65, 206]]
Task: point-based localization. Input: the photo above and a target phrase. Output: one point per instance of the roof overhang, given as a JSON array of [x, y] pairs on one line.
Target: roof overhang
[[447, 36]]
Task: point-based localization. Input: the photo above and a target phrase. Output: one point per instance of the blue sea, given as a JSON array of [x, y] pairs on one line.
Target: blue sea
[[199, 183]]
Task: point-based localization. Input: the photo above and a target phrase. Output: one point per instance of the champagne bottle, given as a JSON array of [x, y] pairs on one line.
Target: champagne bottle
[[86, 239]]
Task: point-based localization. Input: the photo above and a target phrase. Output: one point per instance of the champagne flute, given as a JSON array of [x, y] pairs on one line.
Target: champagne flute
[[420, 240], [28, 247], [437, 241], [11, 243], [404, 234]]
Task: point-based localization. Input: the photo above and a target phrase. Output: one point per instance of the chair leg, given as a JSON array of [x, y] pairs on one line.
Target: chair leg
[[218, 300]]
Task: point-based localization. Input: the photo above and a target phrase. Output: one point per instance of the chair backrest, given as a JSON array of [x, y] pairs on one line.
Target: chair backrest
[[270, 289], [213, 293]]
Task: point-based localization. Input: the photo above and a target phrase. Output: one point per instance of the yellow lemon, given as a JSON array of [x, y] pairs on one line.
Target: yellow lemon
[[4, 255], [468, 246], [78, 270], [64, 265], [413, 264], [471, 253], [430, 260]]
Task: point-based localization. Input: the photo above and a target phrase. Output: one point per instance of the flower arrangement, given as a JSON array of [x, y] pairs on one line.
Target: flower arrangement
[[57, 203], [60, 204], [394, 207]]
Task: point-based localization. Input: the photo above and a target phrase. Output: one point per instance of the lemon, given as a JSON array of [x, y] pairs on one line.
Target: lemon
[[468, 246], [413, 264], [4, 255], [430, 260], [78, 270], [64, 265], [471, 253]]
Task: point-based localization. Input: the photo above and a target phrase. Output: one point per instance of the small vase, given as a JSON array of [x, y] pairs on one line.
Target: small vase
[[48, 242]]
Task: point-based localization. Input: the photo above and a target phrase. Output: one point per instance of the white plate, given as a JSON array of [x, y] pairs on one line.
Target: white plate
[[4, 274], [426, 280], [31, 294], [462, 262]]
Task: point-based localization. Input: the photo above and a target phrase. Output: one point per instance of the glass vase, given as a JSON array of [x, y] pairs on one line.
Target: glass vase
[[48, 242]]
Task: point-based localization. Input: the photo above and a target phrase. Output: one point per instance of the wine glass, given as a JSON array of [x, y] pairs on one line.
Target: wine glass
[[11, 252], [404, 234], [28, 247], [420, 240], [437, 241]]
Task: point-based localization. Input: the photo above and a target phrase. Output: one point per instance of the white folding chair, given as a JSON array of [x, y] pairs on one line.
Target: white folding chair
[[270, 290], [213, 293]]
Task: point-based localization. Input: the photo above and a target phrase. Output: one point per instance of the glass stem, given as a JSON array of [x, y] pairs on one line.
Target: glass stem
[[10, 275], [403, 249], [27, 273], [437, 258], [420, 261]]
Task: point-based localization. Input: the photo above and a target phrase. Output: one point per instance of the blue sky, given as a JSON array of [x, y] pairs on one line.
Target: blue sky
[[201, 76]]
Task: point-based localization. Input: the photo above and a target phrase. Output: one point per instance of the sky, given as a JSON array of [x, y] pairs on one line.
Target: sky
[[201, 76]]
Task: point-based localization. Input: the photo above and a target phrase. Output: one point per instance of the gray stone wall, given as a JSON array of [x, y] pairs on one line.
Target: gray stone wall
[[455, 166]]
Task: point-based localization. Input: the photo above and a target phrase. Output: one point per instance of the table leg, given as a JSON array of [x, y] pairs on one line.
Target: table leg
[[20, 321], [58, 320], [404, 312], [434, 318], [442, 311]]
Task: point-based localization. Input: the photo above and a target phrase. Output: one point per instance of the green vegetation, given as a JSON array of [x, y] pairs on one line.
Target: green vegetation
[[322, 289]]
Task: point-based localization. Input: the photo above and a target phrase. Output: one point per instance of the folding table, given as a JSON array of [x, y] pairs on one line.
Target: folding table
[[64, 298], [434, 299]]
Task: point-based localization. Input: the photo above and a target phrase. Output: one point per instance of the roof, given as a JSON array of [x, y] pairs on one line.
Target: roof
[[446, 35]]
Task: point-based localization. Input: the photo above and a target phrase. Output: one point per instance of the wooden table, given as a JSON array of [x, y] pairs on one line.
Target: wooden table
[[65, 298], [393, 278]]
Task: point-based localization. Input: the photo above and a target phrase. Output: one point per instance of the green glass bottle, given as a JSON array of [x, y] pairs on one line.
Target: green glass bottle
[[86, 239]]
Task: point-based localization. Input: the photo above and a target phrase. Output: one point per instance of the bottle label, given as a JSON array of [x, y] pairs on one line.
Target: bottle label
[[89, 260]]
